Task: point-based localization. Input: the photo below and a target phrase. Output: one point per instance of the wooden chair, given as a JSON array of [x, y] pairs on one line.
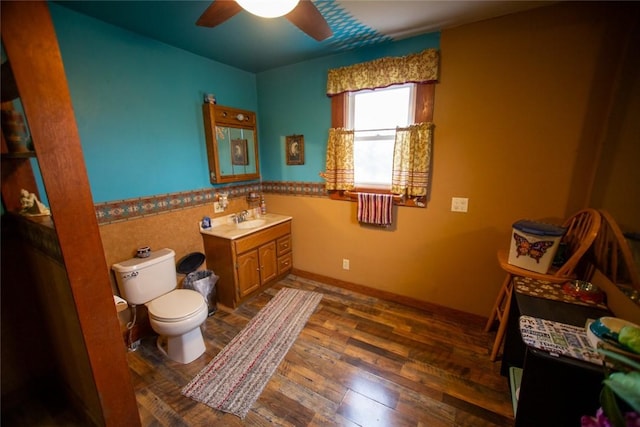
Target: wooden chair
[[582, 229], [611, 254]]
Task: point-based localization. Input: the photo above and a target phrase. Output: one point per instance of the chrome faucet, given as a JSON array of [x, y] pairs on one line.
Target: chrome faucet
[[240, 217]]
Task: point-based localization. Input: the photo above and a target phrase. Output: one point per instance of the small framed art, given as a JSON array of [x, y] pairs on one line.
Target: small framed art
[[239, 152], [294, 147]]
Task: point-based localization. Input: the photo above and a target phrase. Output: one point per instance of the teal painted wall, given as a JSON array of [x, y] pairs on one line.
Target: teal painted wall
[[138, 107], [293, 100]]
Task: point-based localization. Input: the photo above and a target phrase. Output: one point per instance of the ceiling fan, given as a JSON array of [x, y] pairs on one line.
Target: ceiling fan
[[301, 13]]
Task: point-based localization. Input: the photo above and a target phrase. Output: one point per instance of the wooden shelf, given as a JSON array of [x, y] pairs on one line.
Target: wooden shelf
[[17, 174], [19, 155]]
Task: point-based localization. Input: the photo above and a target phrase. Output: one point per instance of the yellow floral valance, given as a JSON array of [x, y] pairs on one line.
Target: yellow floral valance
[[417, 68]]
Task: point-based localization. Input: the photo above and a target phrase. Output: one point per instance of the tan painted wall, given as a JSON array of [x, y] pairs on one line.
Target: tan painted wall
[[421, 258], [617, 184], [519, 118]]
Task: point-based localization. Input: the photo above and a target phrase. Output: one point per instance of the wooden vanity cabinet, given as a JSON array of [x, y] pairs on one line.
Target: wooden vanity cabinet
[[248, 264]]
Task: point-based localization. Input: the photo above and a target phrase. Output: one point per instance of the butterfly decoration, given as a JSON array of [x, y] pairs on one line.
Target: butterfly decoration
[[535, 250]]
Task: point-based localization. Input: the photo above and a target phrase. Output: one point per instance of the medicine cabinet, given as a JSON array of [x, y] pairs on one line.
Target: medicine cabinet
[[232, 143]]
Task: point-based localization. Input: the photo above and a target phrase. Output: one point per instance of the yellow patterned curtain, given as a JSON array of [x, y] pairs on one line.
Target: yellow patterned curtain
[[417, 68], [339, 169], [412, 160]]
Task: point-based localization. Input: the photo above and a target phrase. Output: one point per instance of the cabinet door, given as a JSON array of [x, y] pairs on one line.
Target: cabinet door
[[248, 273], [268, 262], [232, 143]]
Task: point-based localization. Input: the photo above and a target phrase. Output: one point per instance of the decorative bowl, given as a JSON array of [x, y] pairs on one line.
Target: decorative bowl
[[603, 333], [609, 327], [583, 290]]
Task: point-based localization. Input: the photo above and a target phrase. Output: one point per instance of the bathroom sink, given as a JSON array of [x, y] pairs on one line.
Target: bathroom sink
[[225, 227], [252, 223]]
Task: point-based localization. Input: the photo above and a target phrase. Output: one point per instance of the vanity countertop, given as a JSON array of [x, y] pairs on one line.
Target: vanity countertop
[[225, 228]]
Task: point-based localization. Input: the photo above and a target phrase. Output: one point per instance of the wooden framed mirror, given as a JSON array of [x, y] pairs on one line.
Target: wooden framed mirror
[[232, 143]]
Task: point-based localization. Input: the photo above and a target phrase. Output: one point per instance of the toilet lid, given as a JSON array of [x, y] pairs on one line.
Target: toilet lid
[[176, 305]]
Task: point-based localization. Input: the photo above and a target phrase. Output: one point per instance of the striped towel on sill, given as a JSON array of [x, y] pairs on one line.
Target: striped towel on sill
[[375, 209]]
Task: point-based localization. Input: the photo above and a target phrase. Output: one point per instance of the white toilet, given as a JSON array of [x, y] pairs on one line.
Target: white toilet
[[173, 313]]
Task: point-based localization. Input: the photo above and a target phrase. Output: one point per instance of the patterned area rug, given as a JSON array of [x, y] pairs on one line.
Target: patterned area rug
[[234, 379]]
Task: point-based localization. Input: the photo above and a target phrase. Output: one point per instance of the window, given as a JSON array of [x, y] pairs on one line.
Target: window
[[354, 90], [374, 115], [423, 112]]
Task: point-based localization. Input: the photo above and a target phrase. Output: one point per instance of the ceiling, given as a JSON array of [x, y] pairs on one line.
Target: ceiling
[[256, 44]]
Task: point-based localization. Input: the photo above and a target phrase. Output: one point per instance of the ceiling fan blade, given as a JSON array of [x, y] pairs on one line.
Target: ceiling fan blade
[[218, 12], [307, 17]]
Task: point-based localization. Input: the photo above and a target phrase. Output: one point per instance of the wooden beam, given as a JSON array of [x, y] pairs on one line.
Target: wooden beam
[[32, 47]]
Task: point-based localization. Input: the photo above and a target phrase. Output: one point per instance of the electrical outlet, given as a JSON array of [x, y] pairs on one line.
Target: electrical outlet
[[459, 204], [217, 208], [345, 264]]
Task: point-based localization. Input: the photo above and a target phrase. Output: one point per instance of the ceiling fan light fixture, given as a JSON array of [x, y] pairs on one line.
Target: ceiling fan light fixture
[[268, 8]]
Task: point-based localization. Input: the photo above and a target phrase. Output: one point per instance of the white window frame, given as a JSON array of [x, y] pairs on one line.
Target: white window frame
[[385, 135]]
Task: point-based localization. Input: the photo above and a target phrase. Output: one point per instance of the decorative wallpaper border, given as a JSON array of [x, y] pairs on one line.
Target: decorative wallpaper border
[[293, 188], [124, 210]]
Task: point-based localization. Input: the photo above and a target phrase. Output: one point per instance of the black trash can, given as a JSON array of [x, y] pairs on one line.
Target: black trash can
[[202, 281]]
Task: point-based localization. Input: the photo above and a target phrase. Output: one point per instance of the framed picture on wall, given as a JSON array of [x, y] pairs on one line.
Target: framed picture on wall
[[294, 147], [239, 152]]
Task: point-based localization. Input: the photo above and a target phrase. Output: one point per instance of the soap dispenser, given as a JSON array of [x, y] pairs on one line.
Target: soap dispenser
[[263, 205]]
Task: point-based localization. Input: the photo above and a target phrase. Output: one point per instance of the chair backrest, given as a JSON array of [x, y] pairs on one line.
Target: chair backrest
[[611, 254], [582, 230]]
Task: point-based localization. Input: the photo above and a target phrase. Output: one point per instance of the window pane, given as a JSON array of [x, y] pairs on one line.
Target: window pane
[[382, 109], [373, 162]]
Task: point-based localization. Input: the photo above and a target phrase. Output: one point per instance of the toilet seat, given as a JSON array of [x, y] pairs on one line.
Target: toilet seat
[[176, 306]]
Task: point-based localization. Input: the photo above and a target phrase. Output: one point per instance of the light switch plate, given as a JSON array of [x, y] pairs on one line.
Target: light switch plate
[[459, 204]]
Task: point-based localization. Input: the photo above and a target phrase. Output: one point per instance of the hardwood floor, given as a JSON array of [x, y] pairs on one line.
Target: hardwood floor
[[359, 361]]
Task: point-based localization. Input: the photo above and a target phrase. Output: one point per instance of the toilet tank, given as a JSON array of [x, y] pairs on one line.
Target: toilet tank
[[141, 280]]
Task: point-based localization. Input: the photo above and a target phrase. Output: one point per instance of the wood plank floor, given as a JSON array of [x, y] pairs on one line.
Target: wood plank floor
[[359, 361]]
